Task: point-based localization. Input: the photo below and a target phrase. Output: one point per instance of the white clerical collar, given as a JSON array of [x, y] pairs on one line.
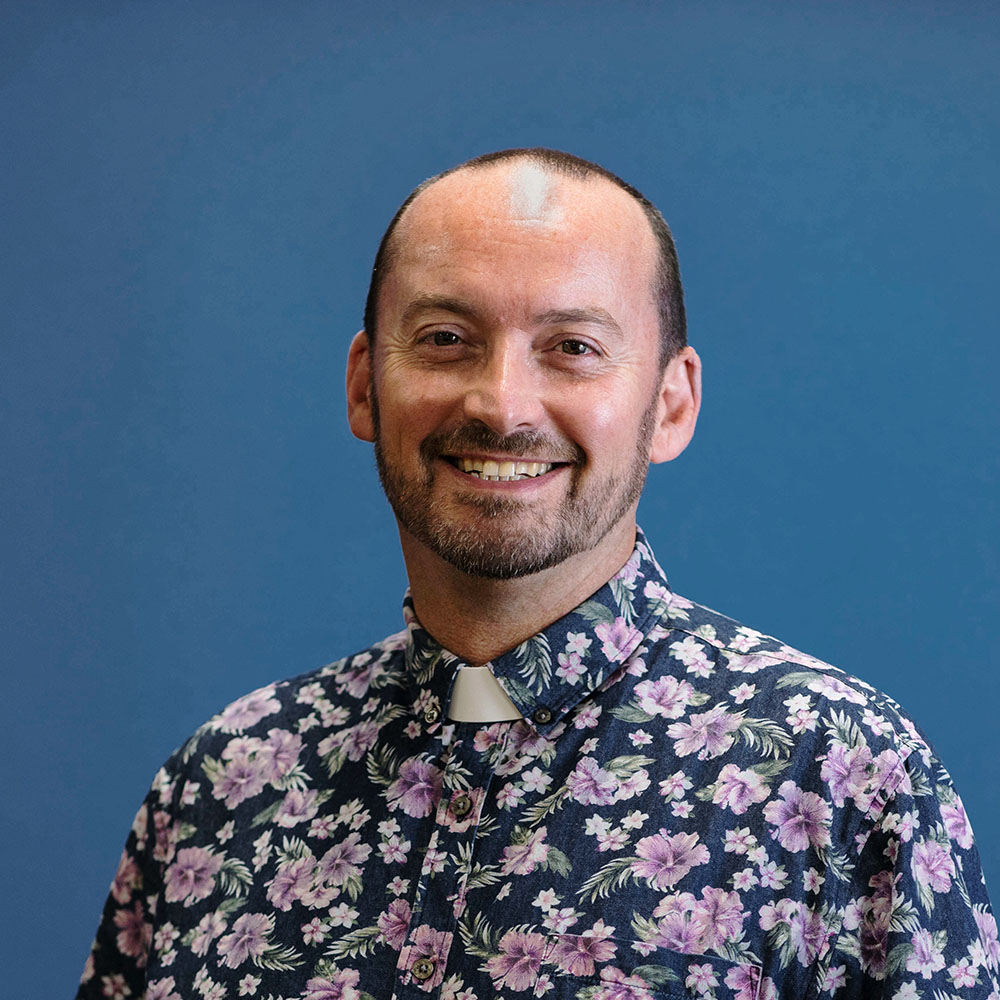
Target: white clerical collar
[[477, 697]]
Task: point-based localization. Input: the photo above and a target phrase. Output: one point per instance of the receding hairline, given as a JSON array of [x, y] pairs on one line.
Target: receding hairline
[[390, 253]]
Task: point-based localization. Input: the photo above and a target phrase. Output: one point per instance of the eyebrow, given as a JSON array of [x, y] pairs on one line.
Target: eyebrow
[[593, 315]]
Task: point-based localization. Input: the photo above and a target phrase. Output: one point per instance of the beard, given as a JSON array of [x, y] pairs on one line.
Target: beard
[[501, 537]]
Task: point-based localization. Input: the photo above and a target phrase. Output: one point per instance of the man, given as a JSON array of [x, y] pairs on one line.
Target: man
[[562, 779]]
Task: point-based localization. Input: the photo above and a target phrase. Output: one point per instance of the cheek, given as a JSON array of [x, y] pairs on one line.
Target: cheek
[[408, 413], [604, 427]]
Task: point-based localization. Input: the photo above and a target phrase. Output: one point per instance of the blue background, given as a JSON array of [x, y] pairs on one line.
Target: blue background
[[191, 198]]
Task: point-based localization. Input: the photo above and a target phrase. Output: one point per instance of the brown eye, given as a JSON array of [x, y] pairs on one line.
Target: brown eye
[[574, 347], [444, 338]]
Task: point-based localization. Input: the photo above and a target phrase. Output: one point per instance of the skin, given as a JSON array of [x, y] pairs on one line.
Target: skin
[[513, 253]]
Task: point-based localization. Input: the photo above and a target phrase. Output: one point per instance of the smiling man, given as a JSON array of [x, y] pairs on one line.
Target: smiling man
[[562, 779]]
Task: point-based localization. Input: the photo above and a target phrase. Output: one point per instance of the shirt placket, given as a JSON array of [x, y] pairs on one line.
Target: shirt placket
[[424, 961]]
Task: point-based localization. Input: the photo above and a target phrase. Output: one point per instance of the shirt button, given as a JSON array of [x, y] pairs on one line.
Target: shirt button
[[542, 716], [430, 717], [423, 968], [460, 805]]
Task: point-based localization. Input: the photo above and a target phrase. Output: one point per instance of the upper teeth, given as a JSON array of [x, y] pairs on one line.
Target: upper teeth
[[502, 471]]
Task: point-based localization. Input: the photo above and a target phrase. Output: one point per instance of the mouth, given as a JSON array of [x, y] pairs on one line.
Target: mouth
[[501, 470]]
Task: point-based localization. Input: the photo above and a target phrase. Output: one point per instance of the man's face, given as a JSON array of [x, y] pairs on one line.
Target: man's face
[[515, 378]]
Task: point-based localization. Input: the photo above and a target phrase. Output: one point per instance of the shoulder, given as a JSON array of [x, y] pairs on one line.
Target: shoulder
[[833, 719], [739, 653], [282, 713]]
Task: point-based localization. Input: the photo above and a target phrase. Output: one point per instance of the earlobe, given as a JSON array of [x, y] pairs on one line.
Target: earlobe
[[359, 380], [678, 406]]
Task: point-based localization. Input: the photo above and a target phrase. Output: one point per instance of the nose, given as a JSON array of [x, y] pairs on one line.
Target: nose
[[505, 392]]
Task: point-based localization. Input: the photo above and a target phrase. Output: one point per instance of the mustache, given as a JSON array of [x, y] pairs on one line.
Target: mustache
[[472, 437]]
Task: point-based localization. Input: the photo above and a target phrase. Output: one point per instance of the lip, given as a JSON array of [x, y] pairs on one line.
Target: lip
[[483, 456], [512, 486]]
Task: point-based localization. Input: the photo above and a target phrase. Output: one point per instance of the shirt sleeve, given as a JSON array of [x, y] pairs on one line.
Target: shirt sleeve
[[918, 922], [117, 962]]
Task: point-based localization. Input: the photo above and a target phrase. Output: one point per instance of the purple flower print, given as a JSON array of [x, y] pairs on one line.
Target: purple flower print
[[427, 943], [887, 772], [692, 927], [394, 923], [489, 737], [355, 681], [577, 954], [738, 790], [873, 936], [165, 837], [343, 986], [801, 818], [615, 985], [208, 929], [691, 652], [359, 739], [162, 989], [417, 789], [987, 924], [835, 690], [957, 823], [679, 932], [932, 865], [344, 860], [752, 663], [591, 785], [247, 940], [809, 934], [278, 754], [297, 807], [745, 982], [709, 733], [527, 743], [244, 776], [134, 933], [677, 929], [192, 876], [664, 860], [846, 771], [291, 882], [520, 859], [517, 965], [666, 696], [126, 879], [926, 958], [701, 979], [719, 915], [616, 638], [248, 710]]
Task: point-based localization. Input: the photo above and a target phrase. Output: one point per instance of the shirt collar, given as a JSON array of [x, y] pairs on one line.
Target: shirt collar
[[551, 672]]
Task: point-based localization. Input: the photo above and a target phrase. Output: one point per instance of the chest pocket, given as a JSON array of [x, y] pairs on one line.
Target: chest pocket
[[579, 967]]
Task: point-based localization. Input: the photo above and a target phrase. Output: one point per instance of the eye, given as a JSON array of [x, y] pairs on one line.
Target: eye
[[577, 347], [444, 338]]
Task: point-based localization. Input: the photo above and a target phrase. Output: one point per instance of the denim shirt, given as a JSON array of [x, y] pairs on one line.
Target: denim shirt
[[688, 808]]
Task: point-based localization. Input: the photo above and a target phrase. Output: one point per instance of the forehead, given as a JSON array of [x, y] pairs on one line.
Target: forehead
[[521, 228]]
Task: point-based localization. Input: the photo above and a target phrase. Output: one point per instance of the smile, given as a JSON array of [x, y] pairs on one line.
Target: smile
[[500, 472]]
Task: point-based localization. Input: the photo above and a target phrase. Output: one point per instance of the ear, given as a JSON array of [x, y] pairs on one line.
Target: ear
[[678, 405], [359, 388]]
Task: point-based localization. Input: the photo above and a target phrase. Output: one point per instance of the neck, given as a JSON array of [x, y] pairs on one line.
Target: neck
[[477, 618]]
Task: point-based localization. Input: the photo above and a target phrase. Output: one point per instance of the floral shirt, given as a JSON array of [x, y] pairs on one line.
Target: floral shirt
[[688, 809]]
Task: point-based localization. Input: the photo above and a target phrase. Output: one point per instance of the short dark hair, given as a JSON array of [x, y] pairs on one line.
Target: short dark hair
[[668, 293]]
